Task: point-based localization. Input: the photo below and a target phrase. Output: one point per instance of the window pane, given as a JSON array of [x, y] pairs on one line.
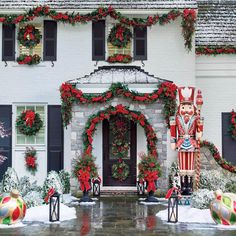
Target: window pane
[[30, 139], [140, 47], [39, 140], [20, 139]]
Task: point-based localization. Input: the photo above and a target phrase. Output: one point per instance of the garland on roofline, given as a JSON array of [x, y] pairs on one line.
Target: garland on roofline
[[166, 93], [135, 116], [188, 18], [215, 50], [218, 158]]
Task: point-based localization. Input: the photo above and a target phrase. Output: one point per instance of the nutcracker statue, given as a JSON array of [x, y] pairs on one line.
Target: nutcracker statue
[[186, 129]]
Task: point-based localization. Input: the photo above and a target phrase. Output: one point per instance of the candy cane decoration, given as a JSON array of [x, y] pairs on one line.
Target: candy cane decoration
[[199, 103]]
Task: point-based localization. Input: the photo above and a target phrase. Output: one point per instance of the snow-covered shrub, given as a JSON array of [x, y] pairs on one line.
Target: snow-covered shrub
[[10, 180], [201, 198], [65, 180], [33, 199], [52, 181], [231, 186], [26, 186]]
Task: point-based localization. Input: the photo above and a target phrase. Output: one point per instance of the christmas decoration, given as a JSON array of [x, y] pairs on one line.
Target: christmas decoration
[[215, 50], [84, 169], [50, 193], [119, 36], [29, 36], [65, 180], [188, 26], [149, 170], [188, 18], [10, 180], [70, 94], [24, 59], [12, 208], [52, 181], [29, 123], [120, 170], [189, 125], [119, 58], [216, 155], [135, 116], [232, 128], [3, 133], [223, 208], [31, 160]]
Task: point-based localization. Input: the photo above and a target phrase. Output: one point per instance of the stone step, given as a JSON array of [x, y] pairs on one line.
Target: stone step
[[118, 193]]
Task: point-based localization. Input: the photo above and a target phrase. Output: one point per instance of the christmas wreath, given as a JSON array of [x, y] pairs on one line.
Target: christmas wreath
[[119, 36], [30, 160], [29, 123], [232, 128], [29, 36], [120, 170]]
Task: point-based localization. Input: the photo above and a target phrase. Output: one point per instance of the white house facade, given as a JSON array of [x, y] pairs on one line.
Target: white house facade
[[70, 58]]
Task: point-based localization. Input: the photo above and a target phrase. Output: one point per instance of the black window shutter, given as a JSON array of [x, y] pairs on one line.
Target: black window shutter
[[8, 42], [140, 43], [98, 40], [228, 143], [50, 41]]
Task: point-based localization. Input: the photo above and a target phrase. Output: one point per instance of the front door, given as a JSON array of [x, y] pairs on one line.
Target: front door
[[119, 145]]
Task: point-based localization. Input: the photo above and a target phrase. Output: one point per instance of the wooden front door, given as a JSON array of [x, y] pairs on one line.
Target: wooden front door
[[109, 158]]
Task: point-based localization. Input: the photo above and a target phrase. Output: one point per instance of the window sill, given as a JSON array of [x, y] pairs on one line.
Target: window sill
[[41, 64]]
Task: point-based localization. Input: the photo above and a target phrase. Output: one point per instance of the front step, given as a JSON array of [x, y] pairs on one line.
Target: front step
[[108, 193]]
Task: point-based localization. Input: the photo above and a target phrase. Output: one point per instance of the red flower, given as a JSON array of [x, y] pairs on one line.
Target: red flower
[[2, 19]]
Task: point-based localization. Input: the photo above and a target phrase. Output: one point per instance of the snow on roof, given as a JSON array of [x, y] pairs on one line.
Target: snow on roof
[[216, 23], [115, 74], [91, 4]]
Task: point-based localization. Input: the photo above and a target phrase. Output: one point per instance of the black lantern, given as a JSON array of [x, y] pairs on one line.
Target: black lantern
[[173, 202], [96, 188], [54, 207], [140, 188]]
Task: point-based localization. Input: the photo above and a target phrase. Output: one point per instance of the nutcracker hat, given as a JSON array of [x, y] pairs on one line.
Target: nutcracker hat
[[186, 94]]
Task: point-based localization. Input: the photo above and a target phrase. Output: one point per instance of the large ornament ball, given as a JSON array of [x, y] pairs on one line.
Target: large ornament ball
[[223, 208], [12, 208]]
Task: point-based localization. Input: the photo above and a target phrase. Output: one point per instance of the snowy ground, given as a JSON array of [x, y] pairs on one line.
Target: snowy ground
[[186, 214]]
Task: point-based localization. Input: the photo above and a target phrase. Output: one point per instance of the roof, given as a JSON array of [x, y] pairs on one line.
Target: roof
[[91, 4], [115, 74], [216, 23]]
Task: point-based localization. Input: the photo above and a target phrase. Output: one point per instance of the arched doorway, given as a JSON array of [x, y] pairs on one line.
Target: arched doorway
[[119, 143]]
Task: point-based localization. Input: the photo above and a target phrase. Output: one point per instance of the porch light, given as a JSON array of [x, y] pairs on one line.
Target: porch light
[[96, 188], [173, 208], [54, 207]]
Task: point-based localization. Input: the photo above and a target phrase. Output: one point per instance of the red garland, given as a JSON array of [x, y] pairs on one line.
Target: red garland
[[24, 59], [188, 18], [208, 50], [233, 124], [83, 178], [216, 155], [166, 92]]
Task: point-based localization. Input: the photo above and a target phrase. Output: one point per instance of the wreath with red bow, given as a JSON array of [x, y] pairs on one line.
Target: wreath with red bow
[[119, 36], [120, 170], [31, 160], [29, 123], [29, 36]]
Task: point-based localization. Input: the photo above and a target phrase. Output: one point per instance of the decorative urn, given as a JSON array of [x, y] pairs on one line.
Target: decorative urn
[[12, 208]]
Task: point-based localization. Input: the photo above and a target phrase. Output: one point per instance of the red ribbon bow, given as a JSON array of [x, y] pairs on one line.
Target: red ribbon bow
[[30, 161], [83, 177], [50, 193], [119, 33], [151, 177], [29, 31], [29, 118]]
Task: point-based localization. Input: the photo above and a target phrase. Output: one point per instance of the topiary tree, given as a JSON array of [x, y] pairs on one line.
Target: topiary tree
[[65, 180], [52, 181], [10, 180]]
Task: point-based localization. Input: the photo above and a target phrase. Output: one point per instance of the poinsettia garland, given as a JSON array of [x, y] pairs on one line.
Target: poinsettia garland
[[135, 116], [24, 59], [215, 50], [31, 160], [119, 36], [70, 94], [119, 58], [188, 19], [149, 170], [29, 36], [84, 169], [29, 123], [218, 158], [119, 127], [233, 124]]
